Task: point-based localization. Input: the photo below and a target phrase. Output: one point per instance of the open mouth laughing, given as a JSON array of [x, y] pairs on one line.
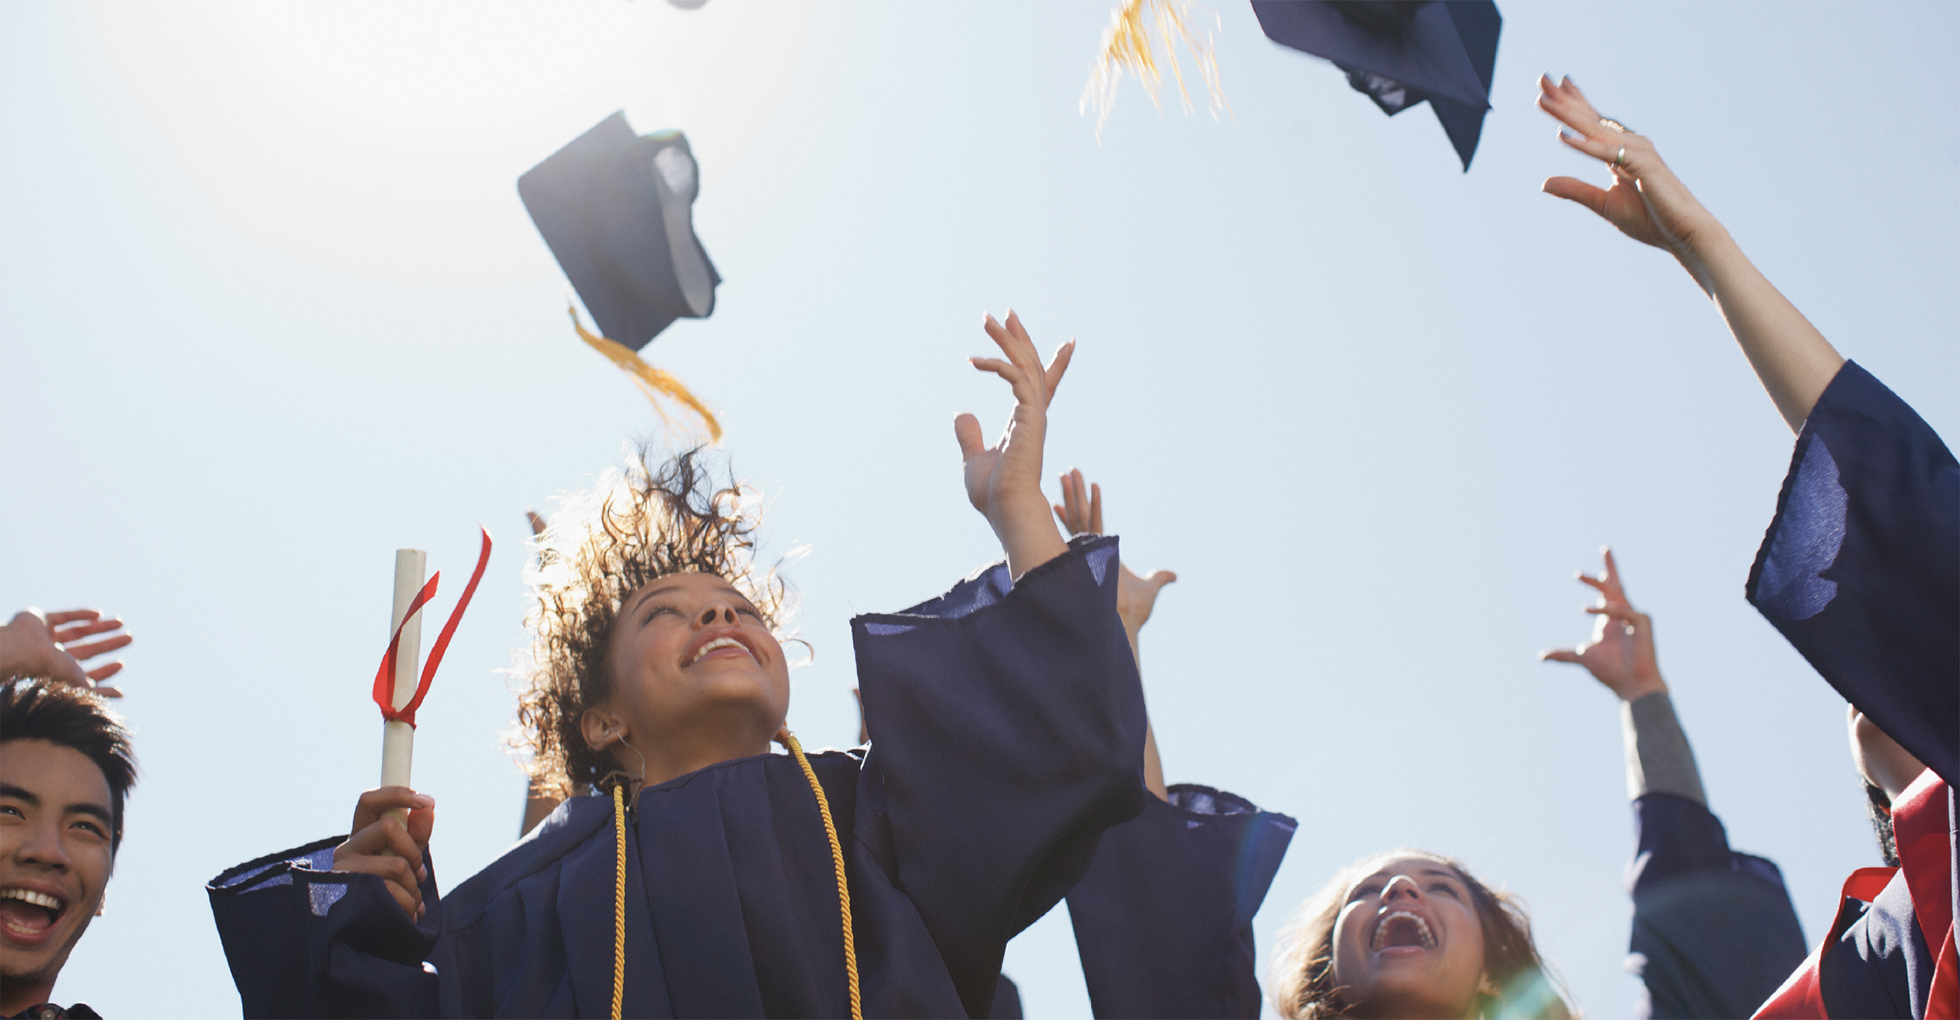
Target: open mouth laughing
[[1401, 929], [727, 644], [28, 915]]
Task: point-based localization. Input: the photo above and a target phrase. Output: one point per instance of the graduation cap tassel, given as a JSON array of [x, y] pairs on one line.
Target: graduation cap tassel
[[1127, 45], [651, 381]]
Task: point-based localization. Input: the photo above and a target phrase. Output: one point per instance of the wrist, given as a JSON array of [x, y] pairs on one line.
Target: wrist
[[1642, 687], [1703, 248], [1015, 513]]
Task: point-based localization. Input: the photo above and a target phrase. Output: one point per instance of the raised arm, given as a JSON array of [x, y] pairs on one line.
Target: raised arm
[[1621, 657], [1651, 205], [1081, 514], [1713, 929], [1004, 480]]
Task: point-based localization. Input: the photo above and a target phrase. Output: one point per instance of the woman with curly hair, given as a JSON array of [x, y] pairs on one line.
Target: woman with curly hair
[[1411, 934], [705, 876]]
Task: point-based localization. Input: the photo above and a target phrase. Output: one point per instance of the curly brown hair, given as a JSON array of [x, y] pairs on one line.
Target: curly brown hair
[[653, 519], [1303, 963]]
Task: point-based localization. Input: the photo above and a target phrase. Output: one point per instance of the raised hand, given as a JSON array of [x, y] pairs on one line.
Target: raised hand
[[1081, 514], [1645, 200], [33, 644], [1080, 511], [383, 843], [1621, 652], [1004, 480]]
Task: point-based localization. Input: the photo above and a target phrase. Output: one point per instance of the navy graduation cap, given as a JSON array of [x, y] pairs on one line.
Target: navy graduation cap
[[617, 210], [1401, 52]]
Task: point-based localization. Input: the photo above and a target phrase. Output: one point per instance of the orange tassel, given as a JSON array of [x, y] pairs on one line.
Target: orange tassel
[[652, 381]]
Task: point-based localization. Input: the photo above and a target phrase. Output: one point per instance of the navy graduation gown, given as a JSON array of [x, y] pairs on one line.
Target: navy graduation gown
[[1860, 568], [1860, 571], [1011, 736], [1714, 931], [1163, 919]]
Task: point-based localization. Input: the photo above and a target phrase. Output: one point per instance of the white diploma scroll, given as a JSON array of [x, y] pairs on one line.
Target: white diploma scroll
[[398, 737]]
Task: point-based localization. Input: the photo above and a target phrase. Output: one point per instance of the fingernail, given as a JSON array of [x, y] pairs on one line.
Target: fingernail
[[423, 800]]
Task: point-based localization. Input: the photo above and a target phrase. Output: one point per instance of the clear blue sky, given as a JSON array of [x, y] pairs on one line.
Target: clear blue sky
[[270, 308]]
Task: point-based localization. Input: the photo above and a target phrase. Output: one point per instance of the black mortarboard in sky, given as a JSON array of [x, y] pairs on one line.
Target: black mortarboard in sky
[[617, 210], [1401, 52]]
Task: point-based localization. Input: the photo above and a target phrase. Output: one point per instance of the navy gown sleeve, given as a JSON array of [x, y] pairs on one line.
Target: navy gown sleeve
[[306, 941], [1860, 569], [1714, 932], [1007, 727], [1163, 919]]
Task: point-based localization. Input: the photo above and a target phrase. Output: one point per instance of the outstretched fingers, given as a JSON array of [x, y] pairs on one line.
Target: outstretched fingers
[[1563, 100], [92, 649], [1022, 368], [64, 633], [1570, 655]]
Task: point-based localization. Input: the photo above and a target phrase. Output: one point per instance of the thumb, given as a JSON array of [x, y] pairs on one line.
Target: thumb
[[1160, 578], [421, 825], [1574, 190], [1559, 655], [966, 429]]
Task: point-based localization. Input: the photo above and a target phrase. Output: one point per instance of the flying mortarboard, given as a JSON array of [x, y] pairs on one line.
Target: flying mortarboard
[[617, 210], [1401, 53]]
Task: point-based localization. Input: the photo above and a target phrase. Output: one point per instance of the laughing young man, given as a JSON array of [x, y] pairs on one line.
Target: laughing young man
[[65, 766]]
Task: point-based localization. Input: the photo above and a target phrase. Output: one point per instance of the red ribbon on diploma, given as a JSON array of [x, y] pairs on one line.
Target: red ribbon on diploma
[[384, 681]]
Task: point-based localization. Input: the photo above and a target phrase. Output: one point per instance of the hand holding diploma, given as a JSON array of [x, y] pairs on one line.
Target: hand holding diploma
[[389, 834], [392, 824]]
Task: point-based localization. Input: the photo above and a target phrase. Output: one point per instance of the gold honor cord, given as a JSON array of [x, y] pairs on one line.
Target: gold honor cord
[[619, 900], [651, 381], [836, 859]]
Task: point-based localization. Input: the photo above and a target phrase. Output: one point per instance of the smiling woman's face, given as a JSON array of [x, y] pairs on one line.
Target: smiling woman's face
[[1408, 942], [697, 678]]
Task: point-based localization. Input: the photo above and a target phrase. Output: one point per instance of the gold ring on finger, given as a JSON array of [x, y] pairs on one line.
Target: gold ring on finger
[[1616, 125]]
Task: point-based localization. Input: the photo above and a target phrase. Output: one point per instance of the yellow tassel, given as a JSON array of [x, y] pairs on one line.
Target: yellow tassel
[[1127, 45], [651, 381]]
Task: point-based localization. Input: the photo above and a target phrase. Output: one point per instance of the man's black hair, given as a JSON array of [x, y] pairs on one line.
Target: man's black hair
[[34, 708]]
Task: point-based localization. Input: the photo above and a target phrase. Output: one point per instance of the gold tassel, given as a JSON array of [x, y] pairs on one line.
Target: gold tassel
[[1127, 45], [652, 381]]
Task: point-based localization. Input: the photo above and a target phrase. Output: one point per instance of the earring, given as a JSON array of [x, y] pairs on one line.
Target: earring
[[621, 775]]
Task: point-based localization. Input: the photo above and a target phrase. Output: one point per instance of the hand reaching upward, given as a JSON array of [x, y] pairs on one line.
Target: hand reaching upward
[[1621, 652], [1004, 480], [36, 645], [1645, 200], [1081, 514]]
